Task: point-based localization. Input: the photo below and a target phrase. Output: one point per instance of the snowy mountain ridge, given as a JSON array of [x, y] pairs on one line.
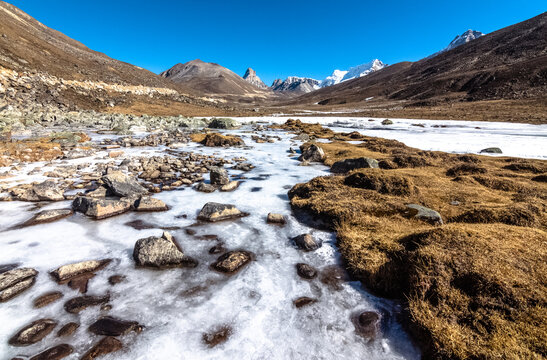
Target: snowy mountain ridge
[[339, 76]]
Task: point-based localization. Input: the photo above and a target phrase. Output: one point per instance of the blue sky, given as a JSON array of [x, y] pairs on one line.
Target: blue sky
[[277, 38]]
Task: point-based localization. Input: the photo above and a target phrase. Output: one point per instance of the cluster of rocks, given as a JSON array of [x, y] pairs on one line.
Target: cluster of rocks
[[174, 139], [13, 282], [219, 179]]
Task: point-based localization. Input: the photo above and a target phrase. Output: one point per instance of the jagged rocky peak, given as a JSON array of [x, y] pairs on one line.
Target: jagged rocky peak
[[296, 84], [464, 38], [251, 77], [339, 76]]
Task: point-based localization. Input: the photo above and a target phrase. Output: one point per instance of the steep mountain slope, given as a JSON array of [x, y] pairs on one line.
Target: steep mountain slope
[[211, 79], [510, 63], [42, 68], [339, 76], [295, 85], [251, 77]]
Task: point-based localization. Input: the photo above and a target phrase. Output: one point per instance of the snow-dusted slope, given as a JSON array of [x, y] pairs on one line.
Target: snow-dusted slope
[[339, 76], [296, 84], [466, 37]]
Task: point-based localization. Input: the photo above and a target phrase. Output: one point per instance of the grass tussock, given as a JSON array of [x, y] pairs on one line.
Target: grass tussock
[[476, 287]]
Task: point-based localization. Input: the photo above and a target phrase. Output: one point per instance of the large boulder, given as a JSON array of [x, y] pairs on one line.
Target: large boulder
[[105, 346], [100, 208], [33, 332], [48, 190], [306, 271], [423, 213], [160, 252], [47, 216], [14, 282], [219, 176], [123, 185], [232, 261], [344, 166], [224, 123], [147, 203], [306, 242], [216, 212], [312, 153], [274, 218], [492, 150], [206, 188]]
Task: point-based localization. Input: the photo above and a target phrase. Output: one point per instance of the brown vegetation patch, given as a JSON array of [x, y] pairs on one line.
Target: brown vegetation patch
[[28, 151], [476, 287]]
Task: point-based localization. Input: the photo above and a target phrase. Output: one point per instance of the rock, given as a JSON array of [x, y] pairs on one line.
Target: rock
[[491, 150], [216, 212], [216, 337], [243, 167], [219, 176], [276, 219], [160, 252], [110, 326], [100, 208], [387, 122], [68, 329], [33, 332], [306, 242], [66, 272], [80, 303], [47, 216], [224, 123], [80, 282], [14, 282], [147, 203], [214, 139], [99, 192], [115, 153], [312, 153], [367, 324], [306, 271], [303, 301], [47, 299], [347, 165], [45, 191], [54, 353], [122, 185], [116, 279], [105, 346], [232, 261], [334, 276], [425, 214], [231, 186], [217, 249], [206, 188]]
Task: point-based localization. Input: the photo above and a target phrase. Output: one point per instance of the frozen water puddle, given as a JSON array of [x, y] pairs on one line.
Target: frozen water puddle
[[252, 310]]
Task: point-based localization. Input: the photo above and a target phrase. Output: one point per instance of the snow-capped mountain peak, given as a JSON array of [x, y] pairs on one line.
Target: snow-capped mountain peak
[[251, 77], [466, 37], [339, 76]]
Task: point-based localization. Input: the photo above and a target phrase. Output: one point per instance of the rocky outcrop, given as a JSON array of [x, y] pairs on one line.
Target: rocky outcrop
[[45, 191], [14, 282], [213, 212], [219, 176], [123, 185], [224, 123], [251, 77], [100, 208], [232, 261], [344, 166], [312, 153], [160, 252], [33, 332]]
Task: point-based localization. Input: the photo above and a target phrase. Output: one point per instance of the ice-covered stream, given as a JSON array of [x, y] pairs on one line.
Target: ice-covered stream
[[178, 306]]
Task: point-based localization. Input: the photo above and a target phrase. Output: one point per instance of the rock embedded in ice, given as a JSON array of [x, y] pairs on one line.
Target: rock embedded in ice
[[116, 279], [344, 166], [99, 192], [217, 336], [306, 242], [66, 272], [54, 353], [147, 203], [123, 185], [224, 123], [160, 252], [206, 188], [276, 219], [33, 332], [45, 191], [110, 326], [100, 208], [367, 324], [232, 261], [14, 282], [243, 167], [47, 299], [47, 216], [80, 303], [387, 122], [492, 150], [105, 346], [303, 301], [312, 153], [423, 213], [219, 176], [306, 271], [231, 186], [80, 282], [216, 212], [68, 329]]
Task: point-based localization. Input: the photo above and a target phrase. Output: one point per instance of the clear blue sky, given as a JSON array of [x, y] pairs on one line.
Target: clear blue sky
[[277, 38]]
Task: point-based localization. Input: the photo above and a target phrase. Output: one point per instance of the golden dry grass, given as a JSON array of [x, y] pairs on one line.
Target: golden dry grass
[[476, 287]]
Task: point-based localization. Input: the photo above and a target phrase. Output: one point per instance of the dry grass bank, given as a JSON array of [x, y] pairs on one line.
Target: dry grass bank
[[475, 287]]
